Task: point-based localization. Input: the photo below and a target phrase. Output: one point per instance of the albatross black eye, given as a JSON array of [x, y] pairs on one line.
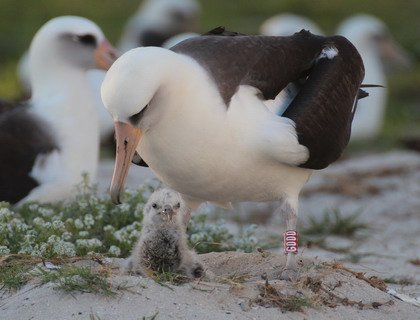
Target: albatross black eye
[[154, 205], [135, 118], [87, 39]]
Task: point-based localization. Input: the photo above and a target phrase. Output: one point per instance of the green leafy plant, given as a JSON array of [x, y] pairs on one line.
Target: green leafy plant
[[13, 277], [334, 223], [93, 224], [166, 277], [216, 237], [72, 279]]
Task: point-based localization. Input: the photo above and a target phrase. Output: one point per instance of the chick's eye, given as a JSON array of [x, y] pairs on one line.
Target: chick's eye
[[154, 205], [87, 39], [178, 205]]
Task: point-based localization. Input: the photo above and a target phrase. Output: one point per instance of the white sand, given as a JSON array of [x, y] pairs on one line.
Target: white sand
[[385, 187], [211, 300]]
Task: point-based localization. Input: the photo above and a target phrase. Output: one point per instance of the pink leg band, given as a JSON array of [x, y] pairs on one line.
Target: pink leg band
[[290, 241]]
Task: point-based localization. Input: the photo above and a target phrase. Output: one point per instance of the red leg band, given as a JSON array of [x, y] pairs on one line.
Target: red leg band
[[290, 241]]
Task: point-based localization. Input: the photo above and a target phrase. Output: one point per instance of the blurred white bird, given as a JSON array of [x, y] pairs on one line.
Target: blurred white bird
[[158, 20], [155, 22], [287, 24], [48, 142], [375, 44]]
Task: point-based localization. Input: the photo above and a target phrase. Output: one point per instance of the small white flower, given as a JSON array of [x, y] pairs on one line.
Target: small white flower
[[53, 239], [5, 214], [138, 211], [129, 233], [38, 221], [89, 221], [26, 247], [114, 251], [195, 238], [19, 225], [125, 207], [66, 236], [40, 249], [33, 207], [65, 249], [60, 247], [83, 205], [88, 243], [58, 224], [78, 224], [109, 228], [5, 250], [46, 212], [47, 225], [83, 234]]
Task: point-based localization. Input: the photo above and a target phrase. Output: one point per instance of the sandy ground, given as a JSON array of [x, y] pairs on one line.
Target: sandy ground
[[335, 294], [384, 188]]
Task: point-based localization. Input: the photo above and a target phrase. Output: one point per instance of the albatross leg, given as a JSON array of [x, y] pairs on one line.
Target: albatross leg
[[290, 239]]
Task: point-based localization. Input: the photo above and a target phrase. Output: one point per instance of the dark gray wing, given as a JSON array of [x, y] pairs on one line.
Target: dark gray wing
[[6, 105], [22, 138], [267, 63], [323, 108]]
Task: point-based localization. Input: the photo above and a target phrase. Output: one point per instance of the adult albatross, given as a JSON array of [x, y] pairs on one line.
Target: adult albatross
[[48, 142], [197, 115]]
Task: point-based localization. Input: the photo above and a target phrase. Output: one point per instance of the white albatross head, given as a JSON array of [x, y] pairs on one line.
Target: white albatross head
[[65, 44], [133, 80], [129, 86]]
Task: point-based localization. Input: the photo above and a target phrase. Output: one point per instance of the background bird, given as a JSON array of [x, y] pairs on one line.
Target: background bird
[[155, 22], [199, 118], [375, 44], [158, 20], [49, 141], [287, 24]]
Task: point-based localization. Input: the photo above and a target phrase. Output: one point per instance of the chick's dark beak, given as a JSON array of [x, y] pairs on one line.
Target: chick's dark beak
[[168, 211]]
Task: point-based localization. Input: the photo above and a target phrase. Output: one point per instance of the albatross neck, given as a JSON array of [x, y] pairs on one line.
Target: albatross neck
[[48, 81], [63, 98]]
